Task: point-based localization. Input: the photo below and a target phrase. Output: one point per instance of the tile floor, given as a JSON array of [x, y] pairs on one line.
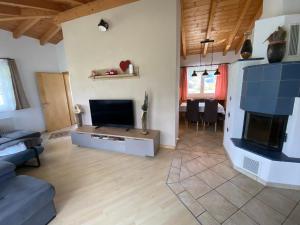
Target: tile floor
[[202, 178]]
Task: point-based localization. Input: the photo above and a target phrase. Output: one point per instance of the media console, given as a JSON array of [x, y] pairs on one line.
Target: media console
[[131, 142]]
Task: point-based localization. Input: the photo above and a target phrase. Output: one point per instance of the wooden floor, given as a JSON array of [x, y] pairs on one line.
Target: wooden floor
[[104, 188]]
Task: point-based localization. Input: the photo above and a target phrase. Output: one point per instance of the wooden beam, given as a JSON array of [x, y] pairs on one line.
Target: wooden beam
[[9, 11], [250, 28], [237, 26], [183, 35], [49, 34], [35, 4], [88, 9], [183, 42], [24, 26], [213, 6], [35, 12], [13, 18], [72, 3]]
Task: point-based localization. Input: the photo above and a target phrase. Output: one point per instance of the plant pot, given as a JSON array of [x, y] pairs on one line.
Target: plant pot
[[246, 51], [276, 51]]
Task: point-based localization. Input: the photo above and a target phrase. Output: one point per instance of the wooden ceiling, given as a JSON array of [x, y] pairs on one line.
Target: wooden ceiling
[[224, 21], [41, 19]]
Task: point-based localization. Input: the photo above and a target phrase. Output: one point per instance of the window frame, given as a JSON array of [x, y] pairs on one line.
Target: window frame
[[6, 88], [199, 71]]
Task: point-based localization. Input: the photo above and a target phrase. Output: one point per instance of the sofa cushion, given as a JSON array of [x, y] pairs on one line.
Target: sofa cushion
[[21, 157], [4, 140], [22, 197], [7, 170], [6, 167]]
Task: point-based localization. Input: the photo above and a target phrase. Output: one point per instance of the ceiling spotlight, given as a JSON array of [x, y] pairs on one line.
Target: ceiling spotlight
[[205, 73], [194, 74], [103, 25], [217, 72]]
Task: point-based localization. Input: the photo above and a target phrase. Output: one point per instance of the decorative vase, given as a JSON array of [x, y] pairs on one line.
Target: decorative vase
[[276, 51], [246, 51], [144, 123]]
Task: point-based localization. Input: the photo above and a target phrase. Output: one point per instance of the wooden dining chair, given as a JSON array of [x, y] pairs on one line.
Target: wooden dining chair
[[210, 114]]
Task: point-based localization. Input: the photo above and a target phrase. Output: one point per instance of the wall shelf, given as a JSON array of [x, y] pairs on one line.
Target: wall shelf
[[115, 76], [120, 75]]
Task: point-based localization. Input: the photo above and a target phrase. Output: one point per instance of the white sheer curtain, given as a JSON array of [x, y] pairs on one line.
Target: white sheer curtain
[[7, 97]]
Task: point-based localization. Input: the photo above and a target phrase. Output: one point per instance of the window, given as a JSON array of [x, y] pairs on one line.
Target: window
[[209, 84], [201, 86], [7, 97]]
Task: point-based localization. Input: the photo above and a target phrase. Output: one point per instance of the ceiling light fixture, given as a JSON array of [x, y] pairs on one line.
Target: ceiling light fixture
[[103, 25], [207, 41], [217, 72], [205, 73]]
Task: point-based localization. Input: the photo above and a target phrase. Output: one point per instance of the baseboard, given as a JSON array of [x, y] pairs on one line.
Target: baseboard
[[278, 185], [168, 147], [265, 183]]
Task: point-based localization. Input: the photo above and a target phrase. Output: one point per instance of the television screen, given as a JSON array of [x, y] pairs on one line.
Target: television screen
[[112, 113]]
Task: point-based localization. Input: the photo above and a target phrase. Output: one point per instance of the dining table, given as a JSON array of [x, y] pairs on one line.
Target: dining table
[[183, 105]]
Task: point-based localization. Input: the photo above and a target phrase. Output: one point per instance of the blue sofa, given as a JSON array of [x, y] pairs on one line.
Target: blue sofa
[[32, 140], [24, 200]]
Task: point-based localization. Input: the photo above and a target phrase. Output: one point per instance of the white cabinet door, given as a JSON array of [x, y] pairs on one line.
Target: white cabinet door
[[139, 147]]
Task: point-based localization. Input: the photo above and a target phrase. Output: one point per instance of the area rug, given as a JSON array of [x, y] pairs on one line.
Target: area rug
[[59, 134]]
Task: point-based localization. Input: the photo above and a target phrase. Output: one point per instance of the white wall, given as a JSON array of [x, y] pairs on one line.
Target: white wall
[[61, 57], [30, 57], [264, 27], [218, 57], [274, 8], [146, 32]]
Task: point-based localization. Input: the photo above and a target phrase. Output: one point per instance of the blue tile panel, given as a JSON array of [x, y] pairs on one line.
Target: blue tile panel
[[271, 88]]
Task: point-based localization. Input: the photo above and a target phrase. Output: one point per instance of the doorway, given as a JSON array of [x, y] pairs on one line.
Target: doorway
[[56, 100]]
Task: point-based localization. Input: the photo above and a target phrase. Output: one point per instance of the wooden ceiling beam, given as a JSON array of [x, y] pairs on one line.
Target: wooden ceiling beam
[[212, 10], [35, 4], [35, 12], [9, 11], [237, 26], [88, 9], [14, 18], [183, 35], [24, 26], [49, 34], [72, 3], [250, 28]]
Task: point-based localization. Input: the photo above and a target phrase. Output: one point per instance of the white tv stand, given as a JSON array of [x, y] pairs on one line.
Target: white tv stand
[[131, 142]]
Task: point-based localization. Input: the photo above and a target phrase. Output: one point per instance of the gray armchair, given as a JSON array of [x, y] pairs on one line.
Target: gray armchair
[[24, 200]]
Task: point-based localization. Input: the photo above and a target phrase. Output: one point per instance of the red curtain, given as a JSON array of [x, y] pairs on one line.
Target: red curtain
[[222, 82], [183, 85]]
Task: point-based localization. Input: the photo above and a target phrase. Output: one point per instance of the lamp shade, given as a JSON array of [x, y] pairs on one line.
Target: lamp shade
[[217, 72], [205, 73], [103, 26], [194, 74]]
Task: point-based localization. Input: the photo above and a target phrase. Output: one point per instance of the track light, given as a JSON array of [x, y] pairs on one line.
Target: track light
[[103, 26], [217, 72]]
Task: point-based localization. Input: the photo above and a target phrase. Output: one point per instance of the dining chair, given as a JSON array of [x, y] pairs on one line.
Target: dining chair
[[210, 114], [192, 112]]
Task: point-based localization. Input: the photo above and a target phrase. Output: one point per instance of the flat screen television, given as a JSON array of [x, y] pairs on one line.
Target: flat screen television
[[112, 113]]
